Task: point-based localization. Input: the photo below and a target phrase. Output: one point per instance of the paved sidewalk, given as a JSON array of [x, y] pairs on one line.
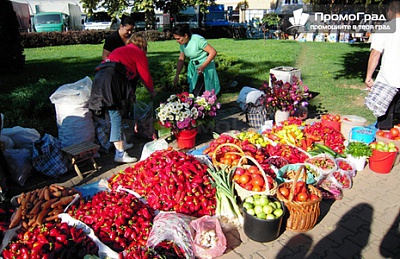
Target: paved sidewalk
[[364, 224]]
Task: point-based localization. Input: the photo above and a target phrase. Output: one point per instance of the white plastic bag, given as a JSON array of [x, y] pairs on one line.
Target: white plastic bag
[[150, 147], [143, 117], [74, 119], [18, 161]]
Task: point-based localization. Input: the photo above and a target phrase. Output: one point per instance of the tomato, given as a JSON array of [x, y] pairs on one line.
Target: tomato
[[248, 186], [240, 171], [395, 132], [256, 188], [258, 180], [284, 191], [236, 178], [337, 118], [314, 197], [302, 196], [388, 135], [380, 133], [253, 169], [244, 179]]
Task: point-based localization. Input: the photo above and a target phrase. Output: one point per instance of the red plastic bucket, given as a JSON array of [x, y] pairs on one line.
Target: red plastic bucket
[[382, 162], [333, 124], [186, 138]]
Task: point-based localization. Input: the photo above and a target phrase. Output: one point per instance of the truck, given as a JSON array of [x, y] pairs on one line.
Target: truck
[[57, 17], [23, 15], [216, 16], [101, 20]]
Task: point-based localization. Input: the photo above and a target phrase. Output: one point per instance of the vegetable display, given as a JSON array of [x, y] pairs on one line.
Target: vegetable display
[[170, 180]]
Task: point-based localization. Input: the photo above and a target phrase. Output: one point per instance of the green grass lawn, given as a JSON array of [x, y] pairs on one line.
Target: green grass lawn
[[333, 71]]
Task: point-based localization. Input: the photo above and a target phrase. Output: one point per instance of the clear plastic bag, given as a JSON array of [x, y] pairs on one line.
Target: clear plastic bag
[[209, 241], [172, 226]]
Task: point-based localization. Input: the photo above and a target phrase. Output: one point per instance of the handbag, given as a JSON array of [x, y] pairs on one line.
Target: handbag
[[379, 98]]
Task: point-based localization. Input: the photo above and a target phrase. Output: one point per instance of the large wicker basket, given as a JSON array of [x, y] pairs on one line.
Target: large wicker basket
[[302, 215], [242, 192]]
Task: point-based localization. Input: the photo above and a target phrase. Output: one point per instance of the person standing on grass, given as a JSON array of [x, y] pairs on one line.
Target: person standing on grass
[[201, 72], [386, 45], [120, 37], [112, 86]]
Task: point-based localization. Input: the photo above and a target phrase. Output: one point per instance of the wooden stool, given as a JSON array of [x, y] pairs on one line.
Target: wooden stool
[[81, 152]]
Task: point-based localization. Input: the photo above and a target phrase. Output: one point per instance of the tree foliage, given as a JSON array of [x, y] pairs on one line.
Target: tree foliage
[[11, 58]]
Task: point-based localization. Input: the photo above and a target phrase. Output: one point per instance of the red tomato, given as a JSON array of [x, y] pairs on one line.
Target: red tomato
[[284, 191], [244, 179], [302, 196], [314, 197], [258, 180], [236, 178], [239, 171], [380, 133], [248, 186], [253, 169], [256, 188], [395, 132], [337, 118], [388, 135]]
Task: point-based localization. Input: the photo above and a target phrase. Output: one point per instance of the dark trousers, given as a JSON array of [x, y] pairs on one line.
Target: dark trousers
[[199, 88], [392, 115]]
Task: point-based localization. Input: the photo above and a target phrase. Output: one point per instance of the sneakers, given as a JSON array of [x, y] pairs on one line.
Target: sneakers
[[127, 146], [125, 158]]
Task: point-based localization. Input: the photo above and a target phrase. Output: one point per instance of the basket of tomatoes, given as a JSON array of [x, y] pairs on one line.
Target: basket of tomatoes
[[250, 179], [302, 201], [227, 154]]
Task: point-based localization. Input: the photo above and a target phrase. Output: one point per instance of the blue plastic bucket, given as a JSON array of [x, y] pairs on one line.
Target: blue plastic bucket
[[362, 134]]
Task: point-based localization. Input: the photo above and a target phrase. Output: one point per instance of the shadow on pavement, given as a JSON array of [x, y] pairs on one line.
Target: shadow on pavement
[[390, 245], [346, 241]]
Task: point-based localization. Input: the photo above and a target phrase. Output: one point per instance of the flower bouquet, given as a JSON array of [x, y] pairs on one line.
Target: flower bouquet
[[184, 111], [284, 96]]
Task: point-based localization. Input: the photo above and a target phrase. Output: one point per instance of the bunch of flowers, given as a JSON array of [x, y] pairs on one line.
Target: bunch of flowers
[[284, 96], [185, 111]]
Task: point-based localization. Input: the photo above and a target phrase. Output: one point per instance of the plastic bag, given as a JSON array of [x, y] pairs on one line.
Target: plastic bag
[[340, 178], [172, 226], [209, 241], [6, 142], [48, 158], [282, 175], [74, 119], [143, 117], [18, 161], [21, 137], [152, 146]]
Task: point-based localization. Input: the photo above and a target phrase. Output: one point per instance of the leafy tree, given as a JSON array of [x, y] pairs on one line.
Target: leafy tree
[[11, 58]]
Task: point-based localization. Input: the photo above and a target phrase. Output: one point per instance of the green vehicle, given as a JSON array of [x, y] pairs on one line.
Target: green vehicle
[[57, 17]]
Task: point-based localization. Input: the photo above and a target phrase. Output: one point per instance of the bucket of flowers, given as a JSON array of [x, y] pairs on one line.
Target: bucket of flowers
[[284, 97], [184, 112]]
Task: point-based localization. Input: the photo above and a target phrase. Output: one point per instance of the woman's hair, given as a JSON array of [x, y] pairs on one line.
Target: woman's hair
[[181, 30], [139, 40]]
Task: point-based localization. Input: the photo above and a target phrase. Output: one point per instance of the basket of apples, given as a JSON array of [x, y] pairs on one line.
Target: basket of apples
[[386, 136], [383, 156], [301, 200]]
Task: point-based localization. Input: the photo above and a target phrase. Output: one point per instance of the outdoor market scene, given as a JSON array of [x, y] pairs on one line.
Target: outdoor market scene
[[189, 198], [199, 130]]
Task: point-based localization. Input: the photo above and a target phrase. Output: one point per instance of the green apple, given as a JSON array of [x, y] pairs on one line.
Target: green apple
[[373, 145], [273, 205], [257, 202], [258, 209], [248, 205], [270, 216], [392, 150], [251, 212], [261, 215], [385, 148], [278, 212], [278, 204], [391, 145], [268, 209], [249, 199], [264, 200]]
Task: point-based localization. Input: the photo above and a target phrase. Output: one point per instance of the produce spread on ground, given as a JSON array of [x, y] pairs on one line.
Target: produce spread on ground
[[175, 204]]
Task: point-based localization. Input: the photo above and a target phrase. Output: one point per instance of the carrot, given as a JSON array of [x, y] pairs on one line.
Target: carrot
[[16, 218], [33, 196], [32, 220], [56, 187], [25, 200], [51, 218], [63, 201], [47, 194], [41, 216], [36, 208], [48, 203], [56, 194], [25, 225], [41, 193]]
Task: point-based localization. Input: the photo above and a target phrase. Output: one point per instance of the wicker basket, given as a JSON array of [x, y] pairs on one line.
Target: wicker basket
[[214, 159], [302, 215], [243, 193]]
